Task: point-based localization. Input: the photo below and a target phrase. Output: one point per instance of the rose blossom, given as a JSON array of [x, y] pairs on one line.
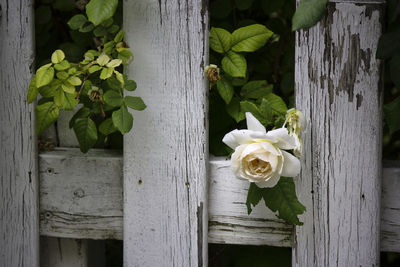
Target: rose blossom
[[260, 156]]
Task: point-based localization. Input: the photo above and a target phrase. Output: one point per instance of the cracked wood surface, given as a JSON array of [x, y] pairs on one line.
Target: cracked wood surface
[[19, 222], [165, 156], [97, 213], [338, 89]]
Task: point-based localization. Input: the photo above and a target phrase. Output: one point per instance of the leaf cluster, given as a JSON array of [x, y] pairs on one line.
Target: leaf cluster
[[94, 85]]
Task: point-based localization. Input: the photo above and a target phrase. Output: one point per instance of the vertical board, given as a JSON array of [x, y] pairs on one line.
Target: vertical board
[[19, 223], [165, 157], [338, 88], [63, 252]]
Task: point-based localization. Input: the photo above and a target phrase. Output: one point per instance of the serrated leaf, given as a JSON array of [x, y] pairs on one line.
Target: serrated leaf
[[107, 127], [106, 73], [225, 90], [77, 21], [114, 63], [308, 13], [275, 103], [122, 119], [57, 56], [247, 106], [99, 11], [220, 40], [254, 195], [46, 114], [234, 64], [250, 38], [130, 85], [135, 102], [282, 199], [233, 109], [392, 115], [103, 59], [44, 75], [86, 133], [113, 98], [63, 65], [256, 89], [94, 68], [33, 91], [84, 112]]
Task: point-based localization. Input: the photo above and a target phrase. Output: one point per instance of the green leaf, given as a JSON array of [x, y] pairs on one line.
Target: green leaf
[[126, 56], [103, 59], [57, 56], [392, 115], [99, 11], [256, 89], [308, 13], [247, 106], [282, 198], [62, 75], [122, 119], [275, 103], [107, 127], [250, 38], [94, 68], [130, 85], [75, 81], [225, 90], [63, 65], [106, 73], [120, 77], [46, 114], [70, 101], [59, 97], [100, 31], [233, 109], [113, 98], [32, 91], [254, 196], [86, 133], [135, 102], [44, 75], [114, 63], [220, 40], [68, 88], [234, 64], [84, 112], [77, 22], [119, 37]]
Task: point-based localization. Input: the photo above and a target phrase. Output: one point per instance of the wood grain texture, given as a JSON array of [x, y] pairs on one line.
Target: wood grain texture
[[228, 219], [81, 194], [165, 157], [337, 87], [19, 221]]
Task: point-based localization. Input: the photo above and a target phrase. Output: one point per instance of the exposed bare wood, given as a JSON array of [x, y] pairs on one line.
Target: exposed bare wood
[[337, 87], [228, 219], [19, 209]]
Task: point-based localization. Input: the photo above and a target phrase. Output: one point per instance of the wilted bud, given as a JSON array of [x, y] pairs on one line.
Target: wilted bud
[[212, 74], [295, 120], [95, 94]]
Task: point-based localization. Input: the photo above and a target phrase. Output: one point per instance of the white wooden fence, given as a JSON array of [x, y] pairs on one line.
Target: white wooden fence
[[164, 196]]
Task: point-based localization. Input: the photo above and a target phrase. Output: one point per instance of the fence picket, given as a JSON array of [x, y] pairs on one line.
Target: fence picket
[[337, 87]]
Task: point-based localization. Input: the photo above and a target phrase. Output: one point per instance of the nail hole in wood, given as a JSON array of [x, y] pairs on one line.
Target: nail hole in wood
[[140, 182], [50, 170]]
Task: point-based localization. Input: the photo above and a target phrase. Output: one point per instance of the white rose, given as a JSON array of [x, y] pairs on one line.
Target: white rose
[[259, 155]]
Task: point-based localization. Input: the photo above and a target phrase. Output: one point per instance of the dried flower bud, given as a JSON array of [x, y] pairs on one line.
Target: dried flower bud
[[95, 94], [212, 74]]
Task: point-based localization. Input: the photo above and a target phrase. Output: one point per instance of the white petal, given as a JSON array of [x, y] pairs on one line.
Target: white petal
[[253, 124], [291, 165], [271, 182], [281, 138], [240, 137]]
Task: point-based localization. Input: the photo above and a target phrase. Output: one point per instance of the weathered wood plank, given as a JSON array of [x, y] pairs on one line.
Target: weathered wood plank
[[228, 219], [165, 157], [19, 209], [63, 252], [337, 87], [81, 194]]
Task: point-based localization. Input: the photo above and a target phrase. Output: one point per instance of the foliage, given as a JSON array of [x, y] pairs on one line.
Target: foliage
[[95, 83], [308, 13]]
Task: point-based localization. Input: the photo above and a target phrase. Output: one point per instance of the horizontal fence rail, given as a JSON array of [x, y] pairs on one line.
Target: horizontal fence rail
[[81, 197]]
